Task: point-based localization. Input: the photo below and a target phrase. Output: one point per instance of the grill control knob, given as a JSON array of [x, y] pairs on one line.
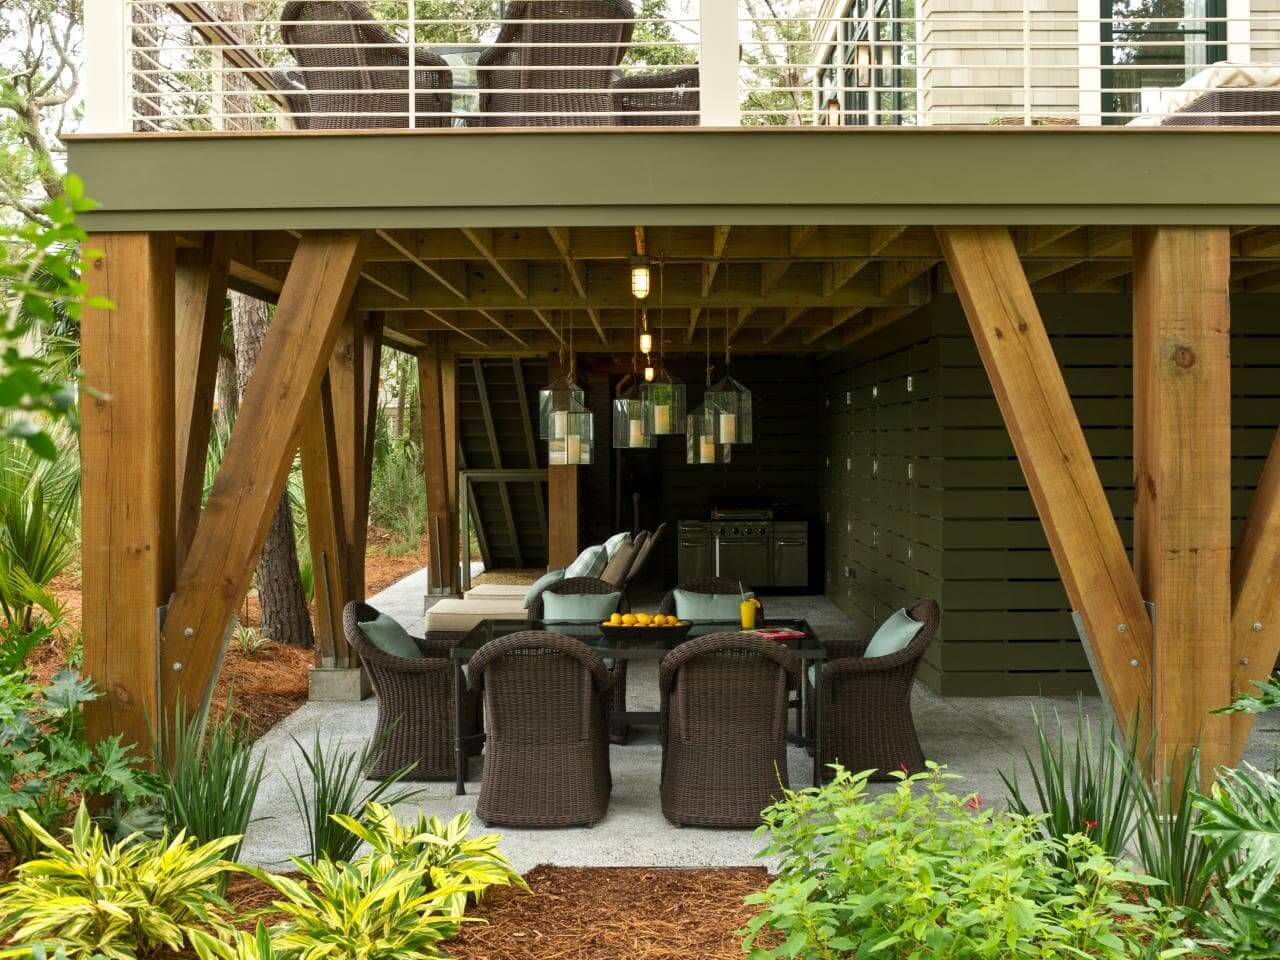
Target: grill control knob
[[736, 531]]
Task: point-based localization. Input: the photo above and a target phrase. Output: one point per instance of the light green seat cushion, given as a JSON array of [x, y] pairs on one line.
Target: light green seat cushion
[[709, 607], [544, 581], [895, 634], [617, 540], [389, 637], [579, 606], [590, 563]]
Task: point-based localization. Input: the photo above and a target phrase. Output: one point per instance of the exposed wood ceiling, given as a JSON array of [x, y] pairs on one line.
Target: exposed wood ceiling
[[811, 289]]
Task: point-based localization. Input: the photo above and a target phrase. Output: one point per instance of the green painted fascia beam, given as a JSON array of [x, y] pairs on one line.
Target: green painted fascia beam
[[308, 180]]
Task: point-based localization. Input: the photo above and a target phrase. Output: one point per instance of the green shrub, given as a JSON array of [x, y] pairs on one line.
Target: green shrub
[[1086, 786], [46, 763], [919, 872], [128, 900], [1170, 848], [334, 785], [372, 909], [211, 781], [448, 852], [397, 497], [1241, 819]]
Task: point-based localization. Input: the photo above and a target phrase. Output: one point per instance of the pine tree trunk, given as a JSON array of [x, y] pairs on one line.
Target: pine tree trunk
[[285, 617]]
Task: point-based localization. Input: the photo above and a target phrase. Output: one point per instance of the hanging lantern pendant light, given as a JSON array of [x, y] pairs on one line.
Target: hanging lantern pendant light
[[630, 430], [730, 400]]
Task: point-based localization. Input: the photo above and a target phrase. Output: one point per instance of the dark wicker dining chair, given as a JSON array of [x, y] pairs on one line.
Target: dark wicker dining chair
[[563, 68], [415, 703], [352, 65], [724, 728], [546, 756], [866, 703], [658, 99], [716, 586]]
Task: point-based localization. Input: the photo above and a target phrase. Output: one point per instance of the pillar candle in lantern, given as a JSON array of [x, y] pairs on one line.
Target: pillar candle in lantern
[[573, 450], [662, 418], [728, 428], [708, 450], [636, 433]]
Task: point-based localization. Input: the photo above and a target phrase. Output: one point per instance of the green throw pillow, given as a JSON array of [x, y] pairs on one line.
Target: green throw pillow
[[895, 634], [544, 581], [709, 607], [590, 563], [389, 637], [579, 606]]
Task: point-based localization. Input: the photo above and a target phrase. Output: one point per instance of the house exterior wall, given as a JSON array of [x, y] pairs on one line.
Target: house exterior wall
[[1264, 31], [972, 52], [924, 496]]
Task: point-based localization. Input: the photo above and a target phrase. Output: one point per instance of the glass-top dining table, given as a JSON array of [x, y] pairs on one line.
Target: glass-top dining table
[[806, 647]]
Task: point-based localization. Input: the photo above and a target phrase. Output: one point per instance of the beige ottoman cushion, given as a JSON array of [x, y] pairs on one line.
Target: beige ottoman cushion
[[484, 590], [460, 615]]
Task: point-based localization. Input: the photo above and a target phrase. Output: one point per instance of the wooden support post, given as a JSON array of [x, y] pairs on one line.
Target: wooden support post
[[201, 297], [1182, 482], [349, 392], [437, 393], [563, 499], [372, 383], [127, 478], [1255, 608], [1055, 459], [326, 530], [213, 579]]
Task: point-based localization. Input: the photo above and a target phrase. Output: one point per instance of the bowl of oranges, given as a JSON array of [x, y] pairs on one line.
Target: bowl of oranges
[[651, 626]]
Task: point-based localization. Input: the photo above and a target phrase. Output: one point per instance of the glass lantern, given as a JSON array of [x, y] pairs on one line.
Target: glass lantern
[[574, 448], [731, 403], [554, 406], [702, 441], [664, 404], [630, 430]]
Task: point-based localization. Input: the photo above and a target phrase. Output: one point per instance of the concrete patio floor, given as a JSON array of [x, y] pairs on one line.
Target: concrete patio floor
[[977, 738]]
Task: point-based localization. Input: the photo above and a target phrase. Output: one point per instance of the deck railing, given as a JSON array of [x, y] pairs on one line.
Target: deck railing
[[157, 65]]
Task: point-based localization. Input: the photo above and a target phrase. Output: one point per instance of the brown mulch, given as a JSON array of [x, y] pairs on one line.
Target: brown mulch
[[585, 913], [514, 575]]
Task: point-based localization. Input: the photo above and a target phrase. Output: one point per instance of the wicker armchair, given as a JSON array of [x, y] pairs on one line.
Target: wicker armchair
[[289, 84], [546, 757], [570, 586], [415, 703], [716, 586], [355, 68], [866, 703], [658, 99], [724, 728], [572, 35]]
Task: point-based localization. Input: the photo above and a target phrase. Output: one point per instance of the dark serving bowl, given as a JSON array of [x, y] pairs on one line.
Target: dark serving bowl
[[656, 634]]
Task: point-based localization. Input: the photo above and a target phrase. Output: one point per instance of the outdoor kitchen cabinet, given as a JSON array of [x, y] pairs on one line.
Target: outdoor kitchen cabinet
[[790, 555]]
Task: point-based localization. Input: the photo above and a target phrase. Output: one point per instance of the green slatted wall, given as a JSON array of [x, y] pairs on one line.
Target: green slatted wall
[[925, 497]]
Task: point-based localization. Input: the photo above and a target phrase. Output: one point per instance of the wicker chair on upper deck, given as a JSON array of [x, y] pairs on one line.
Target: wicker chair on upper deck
[[714, 586], [353, 66], [415, 703], [724, 728], [658, 99], [546, 757], [569, 51], [866, 702]]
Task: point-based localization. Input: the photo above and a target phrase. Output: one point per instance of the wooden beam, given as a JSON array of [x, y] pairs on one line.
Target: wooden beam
[[216, 574], [878, 238], [798, 238], [127, 478], [449, 274], [200, 289], [839, 272], [1255, 604], [560, 236], [788, 320], [437, 395], [373, 337], [439, 318], [694, 313], [326, 529], [895, 275], [562, 500], [503, 327], [514, 272], [1182, 482], [839, 317], [1060, 473], [771, 274], [347, 389]]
